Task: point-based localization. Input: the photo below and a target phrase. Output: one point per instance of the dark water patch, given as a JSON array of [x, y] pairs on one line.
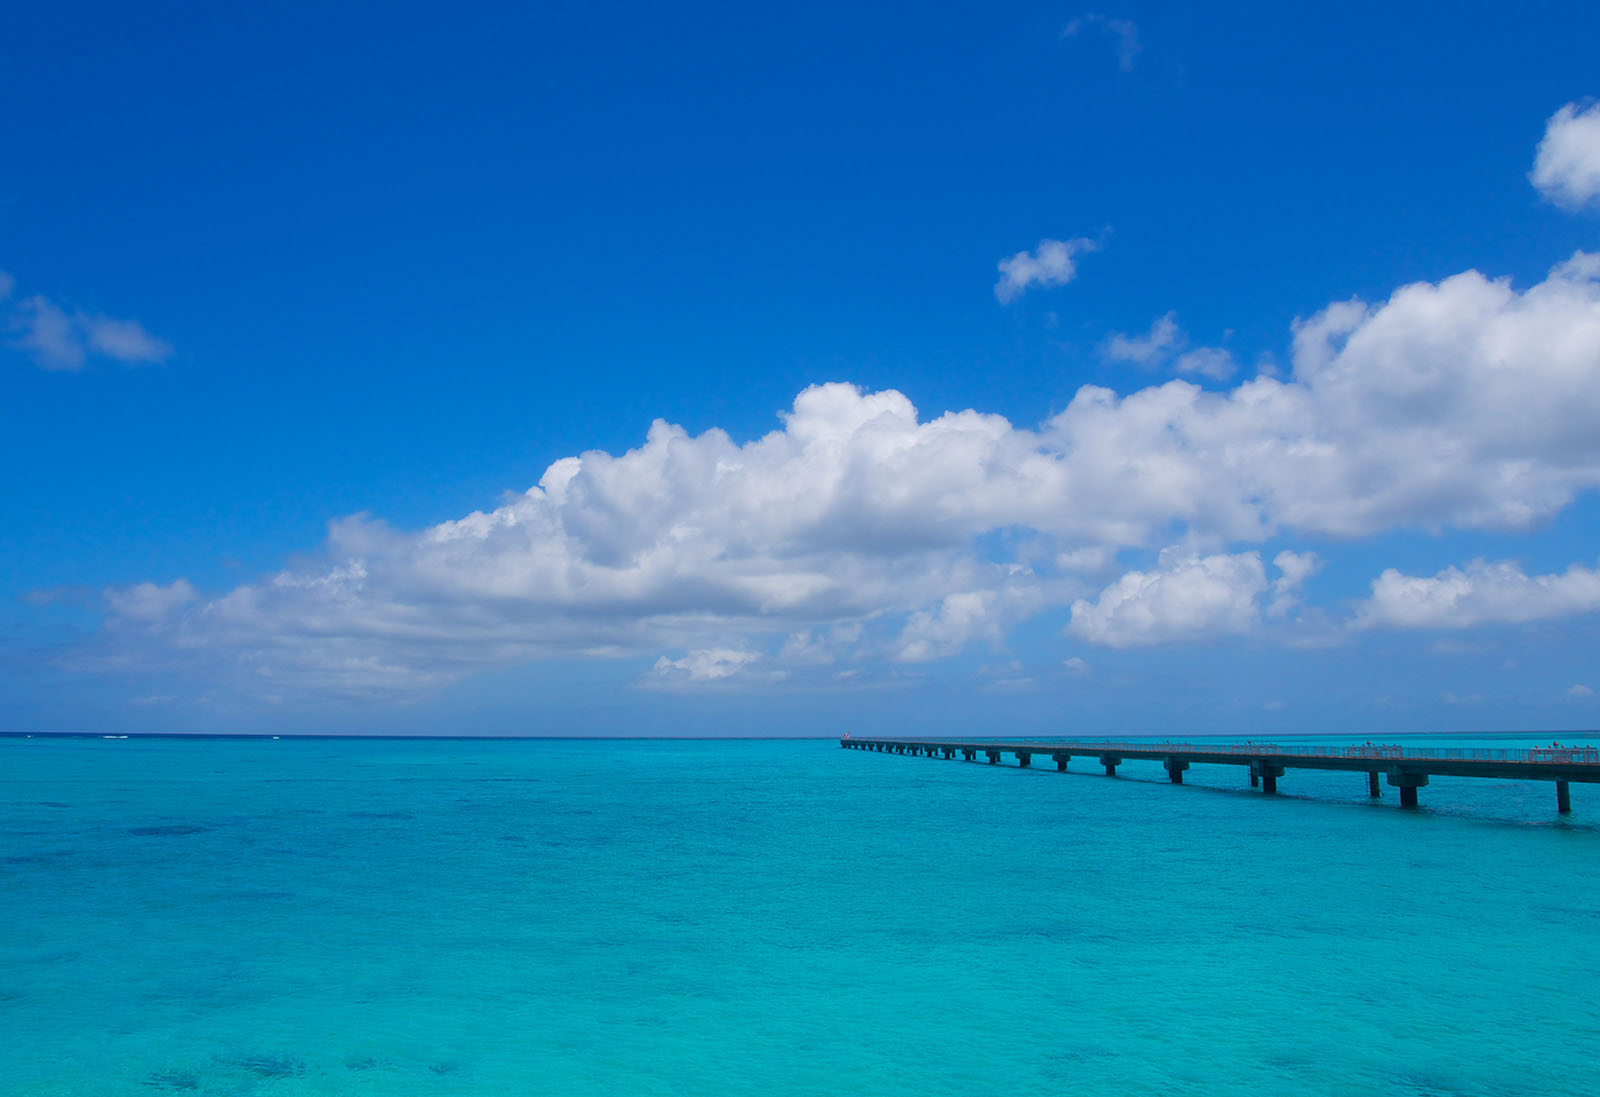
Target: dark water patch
[[51, 804], [444, 1067], [168, 830], [361, 1063], [53, 957], [381, 815], [1432, 1085], [516, 838], [43, 857], [179, 1080], [271, 1066]]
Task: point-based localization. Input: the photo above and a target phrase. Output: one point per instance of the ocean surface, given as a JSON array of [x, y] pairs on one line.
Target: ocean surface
[[289, 917]]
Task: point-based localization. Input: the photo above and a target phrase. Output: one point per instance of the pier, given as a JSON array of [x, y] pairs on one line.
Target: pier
[[1403, 768]]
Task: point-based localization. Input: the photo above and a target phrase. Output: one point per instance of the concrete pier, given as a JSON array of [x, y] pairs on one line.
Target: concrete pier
[[1407, 769]]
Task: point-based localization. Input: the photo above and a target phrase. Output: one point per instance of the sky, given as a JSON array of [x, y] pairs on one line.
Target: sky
[[709, 369]]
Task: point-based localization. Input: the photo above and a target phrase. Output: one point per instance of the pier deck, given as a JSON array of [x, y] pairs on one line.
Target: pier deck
[[1405, 768]]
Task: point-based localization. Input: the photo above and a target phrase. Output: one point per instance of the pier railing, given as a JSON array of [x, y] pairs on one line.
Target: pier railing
[[1585, 755]]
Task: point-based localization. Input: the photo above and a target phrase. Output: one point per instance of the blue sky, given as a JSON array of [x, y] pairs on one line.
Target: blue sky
[[1021, 368]]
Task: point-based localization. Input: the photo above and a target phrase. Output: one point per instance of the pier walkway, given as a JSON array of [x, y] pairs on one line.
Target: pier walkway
[[1405, 768]]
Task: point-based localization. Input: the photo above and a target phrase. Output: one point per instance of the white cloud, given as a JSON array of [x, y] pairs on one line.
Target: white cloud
[[1123, 32], [149, 603], [1187, 597], [1149, 349], [1480, 593], [47, 334], [7, 283], [960, 618], [1075, 666], [1294, 569], [122, 340], [710, 665], [1465, 403], [1214, 362], [1166, 343], [1579, 691], [1566, 168], [1052, 263], [60, 340]]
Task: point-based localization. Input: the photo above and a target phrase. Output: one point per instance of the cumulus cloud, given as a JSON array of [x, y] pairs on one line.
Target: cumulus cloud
[[1480, 593], [1052, 263], [1579, 691], [1123, 33], [58, 339], [1566, 169], [1466, 403], [1186, 597]]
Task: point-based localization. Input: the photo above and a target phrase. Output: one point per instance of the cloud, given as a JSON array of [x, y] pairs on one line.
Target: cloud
[[1294, 569], [1465, 403], [57, 339], [1214, 362], [1579, 691], [1052, 263], [1165, 343], [1186, 597], [1075, 666], [47, 335], [1566, 169], [1123, 32], [147, 602], [1150, 349], [711, 665], [122, 340], [1478, 594], [962, 617]]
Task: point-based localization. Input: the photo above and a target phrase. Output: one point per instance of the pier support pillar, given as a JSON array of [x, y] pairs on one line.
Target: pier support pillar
[[1255, 779], [1407, 782], [1563, 798], [969, 755], [1372, 784], [1111, 762], [1268, 775], [1061, 761], [1024, 759], [994, 757], [1175, 770]]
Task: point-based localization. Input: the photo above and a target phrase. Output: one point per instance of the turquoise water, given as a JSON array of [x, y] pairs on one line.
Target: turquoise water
[[429, 917]]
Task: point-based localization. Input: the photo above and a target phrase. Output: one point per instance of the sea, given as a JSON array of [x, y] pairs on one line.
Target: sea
[[273, 917]]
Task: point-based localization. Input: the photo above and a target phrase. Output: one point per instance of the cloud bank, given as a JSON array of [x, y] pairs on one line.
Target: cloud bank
[[1479, 593], [859, 532]]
